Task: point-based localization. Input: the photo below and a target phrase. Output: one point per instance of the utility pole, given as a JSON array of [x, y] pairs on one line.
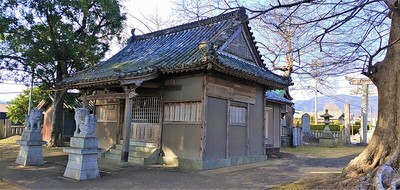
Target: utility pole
[[316, 102], [315, 65], [364, 82], [30, 94], [347, 123]]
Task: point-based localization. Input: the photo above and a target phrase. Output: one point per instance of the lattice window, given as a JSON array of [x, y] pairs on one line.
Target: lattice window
[[237, 115], [146, 110], [182, 111]]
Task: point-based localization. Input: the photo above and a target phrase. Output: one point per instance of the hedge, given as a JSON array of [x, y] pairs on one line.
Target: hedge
[[336, 127], [332, 127]]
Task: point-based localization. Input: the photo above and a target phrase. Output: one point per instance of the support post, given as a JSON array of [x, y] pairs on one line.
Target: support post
[[316, 103], [364, 114], [129, 95], [347, 123]]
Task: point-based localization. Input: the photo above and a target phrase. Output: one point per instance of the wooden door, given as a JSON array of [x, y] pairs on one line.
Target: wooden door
[[146, 120], [269, 129]]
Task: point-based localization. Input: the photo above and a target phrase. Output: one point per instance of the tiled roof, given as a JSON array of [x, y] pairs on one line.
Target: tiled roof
[[182, 48], [273, 96]]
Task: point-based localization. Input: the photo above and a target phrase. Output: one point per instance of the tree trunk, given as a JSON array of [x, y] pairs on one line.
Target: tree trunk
[[57, 120], [376, 167]]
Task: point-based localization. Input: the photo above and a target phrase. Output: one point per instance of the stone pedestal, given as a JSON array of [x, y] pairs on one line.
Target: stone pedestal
[[82, 160], [328, 142], [30, 150]]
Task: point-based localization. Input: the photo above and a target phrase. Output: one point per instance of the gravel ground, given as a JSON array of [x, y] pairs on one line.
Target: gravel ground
[[286, 167]]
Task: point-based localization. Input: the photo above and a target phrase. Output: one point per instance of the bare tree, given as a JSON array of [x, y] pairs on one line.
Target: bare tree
[[347, 36]]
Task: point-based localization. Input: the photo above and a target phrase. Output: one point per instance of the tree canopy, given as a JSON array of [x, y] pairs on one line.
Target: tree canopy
[[55, 38], [50, 40], [18, 107]]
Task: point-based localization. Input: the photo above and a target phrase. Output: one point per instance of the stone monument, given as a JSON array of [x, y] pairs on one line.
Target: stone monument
[[307, 136], [30, 150], [83, 150], [327, 139]]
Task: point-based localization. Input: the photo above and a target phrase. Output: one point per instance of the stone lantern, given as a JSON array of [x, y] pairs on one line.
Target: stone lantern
[[327, 139], [326, 117]]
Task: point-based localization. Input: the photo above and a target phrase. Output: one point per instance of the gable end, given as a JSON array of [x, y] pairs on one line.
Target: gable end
[[239, 47]]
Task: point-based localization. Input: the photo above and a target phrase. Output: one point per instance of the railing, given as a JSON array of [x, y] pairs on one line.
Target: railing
[[335, 134], [7, 130]]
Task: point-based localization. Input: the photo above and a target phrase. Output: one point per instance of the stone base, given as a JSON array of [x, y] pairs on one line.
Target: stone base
[[31, 136], [328, 142], [285, 141], [271, 151], [82, 159], [309, 138], [192, 164], [82, 166], [30, 155]]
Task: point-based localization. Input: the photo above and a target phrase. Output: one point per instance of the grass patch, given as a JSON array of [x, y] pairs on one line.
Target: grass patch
[[324, 152], [10, 140], [9, 148]]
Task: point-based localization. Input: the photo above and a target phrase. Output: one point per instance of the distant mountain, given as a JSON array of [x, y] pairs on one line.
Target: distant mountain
[[337, 101]]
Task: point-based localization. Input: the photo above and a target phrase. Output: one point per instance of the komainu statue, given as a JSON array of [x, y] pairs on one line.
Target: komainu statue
[[34, 119], [85, 123]]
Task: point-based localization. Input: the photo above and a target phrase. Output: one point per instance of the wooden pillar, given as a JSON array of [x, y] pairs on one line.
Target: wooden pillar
[[248, 129], [264, 124], [228, 116], [129, 95]]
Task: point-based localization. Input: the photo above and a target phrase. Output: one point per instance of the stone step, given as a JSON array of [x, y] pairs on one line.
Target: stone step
[[139, 143], [131, 152], [136, 160], [140, 154], [135, 148], [113, 156], [114, 151]]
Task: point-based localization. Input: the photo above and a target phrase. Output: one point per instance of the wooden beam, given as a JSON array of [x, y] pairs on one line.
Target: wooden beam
[[106, 96], [138, 81], [228, 120], [129, 95], [264, 123], [204, 120], [248, 130], [151, 85]]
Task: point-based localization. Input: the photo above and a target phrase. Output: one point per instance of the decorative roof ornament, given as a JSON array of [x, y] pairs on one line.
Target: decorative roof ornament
[[208, 50], [133, 33]]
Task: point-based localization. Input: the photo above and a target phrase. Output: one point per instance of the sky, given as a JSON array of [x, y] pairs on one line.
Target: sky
[[148, 8]]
